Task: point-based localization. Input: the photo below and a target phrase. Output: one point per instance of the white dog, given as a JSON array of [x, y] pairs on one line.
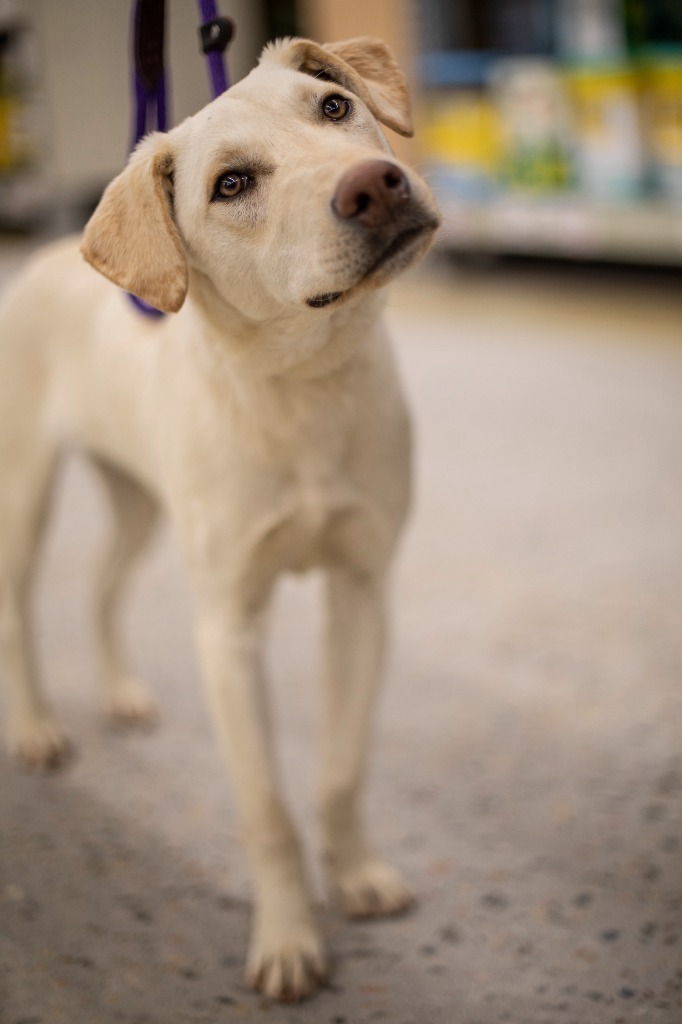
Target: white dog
[[265, 415]]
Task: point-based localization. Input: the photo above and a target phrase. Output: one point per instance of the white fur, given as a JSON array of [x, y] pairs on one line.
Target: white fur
[[274, 434]]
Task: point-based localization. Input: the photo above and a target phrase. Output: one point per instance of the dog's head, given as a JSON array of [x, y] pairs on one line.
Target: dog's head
[[282, 193]]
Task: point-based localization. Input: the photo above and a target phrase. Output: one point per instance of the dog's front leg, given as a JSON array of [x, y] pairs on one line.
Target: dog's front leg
[[285, 960], [366, 884]]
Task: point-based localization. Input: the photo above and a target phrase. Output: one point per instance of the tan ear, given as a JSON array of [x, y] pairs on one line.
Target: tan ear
[[364, 66], [374, 62], [131, 237]]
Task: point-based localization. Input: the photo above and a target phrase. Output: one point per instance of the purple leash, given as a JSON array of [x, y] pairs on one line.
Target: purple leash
[[151, 109], [216, 35]]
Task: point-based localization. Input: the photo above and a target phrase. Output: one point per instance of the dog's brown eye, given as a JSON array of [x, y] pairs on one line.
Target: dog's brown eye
[[336, 108], [230, 185]]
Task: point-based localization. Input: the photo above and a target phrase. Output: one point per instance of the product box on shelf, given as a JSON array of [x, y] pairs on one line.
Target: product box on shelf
[[609, 151], [661, 93]]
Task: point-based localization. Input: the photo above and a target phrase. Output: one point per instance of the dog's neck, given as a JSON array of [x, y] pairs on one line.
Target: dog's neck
[[290, 378], [299, 345]]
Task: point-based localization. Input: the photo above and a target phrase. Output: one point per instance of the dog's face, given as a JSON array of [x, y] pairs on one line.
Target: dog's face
[[283, 193]]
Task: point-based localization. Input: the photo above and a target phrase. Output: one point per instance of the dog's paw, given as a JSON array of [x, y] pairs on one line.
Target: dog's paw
[[287, 965], [129, 704], [372, 889], [40, 745]]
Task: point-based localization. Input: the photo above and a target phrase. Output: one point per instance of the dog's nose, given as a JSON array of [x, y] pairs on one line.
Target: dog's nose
[[371, 193]]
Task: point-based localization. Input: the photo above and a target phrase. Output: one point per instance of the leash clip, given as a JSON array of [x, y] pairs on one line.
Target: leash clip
[[216, 35]]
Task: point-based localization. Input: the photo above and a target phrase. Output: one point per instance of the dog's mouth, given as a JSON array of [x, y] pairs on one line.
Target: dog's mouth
[[397, 247], [400, 244], [324, 300]]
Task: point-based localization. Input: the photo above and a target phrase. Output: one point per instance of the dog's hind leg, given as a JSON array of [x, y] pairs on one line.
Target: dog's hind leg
[[26, 469], [134, 515]]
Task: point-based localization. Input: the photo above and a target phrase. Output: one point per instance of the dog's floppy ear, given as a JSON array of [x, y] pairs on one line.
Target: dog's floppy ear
[[131, 237], [373, 60], [364, 65]]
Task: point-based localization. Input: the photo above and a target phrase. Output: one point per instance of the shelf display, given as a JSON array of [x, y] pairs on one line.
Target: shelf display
[[22, 180], [575, 151]]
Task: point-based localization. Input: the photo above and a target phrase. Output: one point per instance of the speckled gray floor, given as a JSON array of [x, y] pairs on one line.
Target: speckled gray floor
[[528, 768]]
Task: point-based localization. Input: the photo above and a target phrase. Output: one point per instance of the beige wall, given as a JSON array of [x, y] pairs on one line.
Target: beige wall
[[328, 20]]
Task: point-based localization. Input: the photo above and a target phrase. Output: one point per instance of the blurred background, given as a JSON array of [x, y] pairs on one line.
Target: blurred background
[[528, 754], [551, 127]]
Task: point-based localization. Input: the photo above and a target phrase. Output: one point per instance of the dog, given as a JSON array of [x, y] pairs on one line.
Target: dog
[[264, 415]]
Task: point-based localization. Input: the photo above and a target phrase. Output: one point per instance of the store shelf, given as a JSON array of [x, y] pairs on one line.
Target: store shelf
[[553, 127], [568, 227]]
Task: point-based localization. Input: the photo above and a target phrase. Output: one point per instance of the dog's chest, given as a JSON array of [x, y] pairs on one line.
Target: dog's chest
[[319, 498], [320, 495], [291, 482]]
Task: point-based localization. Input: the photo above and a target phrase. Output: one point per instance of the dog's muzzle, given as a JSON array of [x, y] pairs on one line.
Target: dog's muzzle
[[374, 198]]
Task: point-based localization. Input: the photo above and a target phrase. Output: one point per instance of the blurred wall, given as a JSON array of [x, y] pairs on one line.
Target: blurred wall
[[85, 55], [328, 20]]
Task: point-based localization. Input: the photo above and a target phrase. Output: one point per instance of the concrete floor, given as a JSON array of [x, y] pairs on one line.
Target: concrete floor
[[528, 768]]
